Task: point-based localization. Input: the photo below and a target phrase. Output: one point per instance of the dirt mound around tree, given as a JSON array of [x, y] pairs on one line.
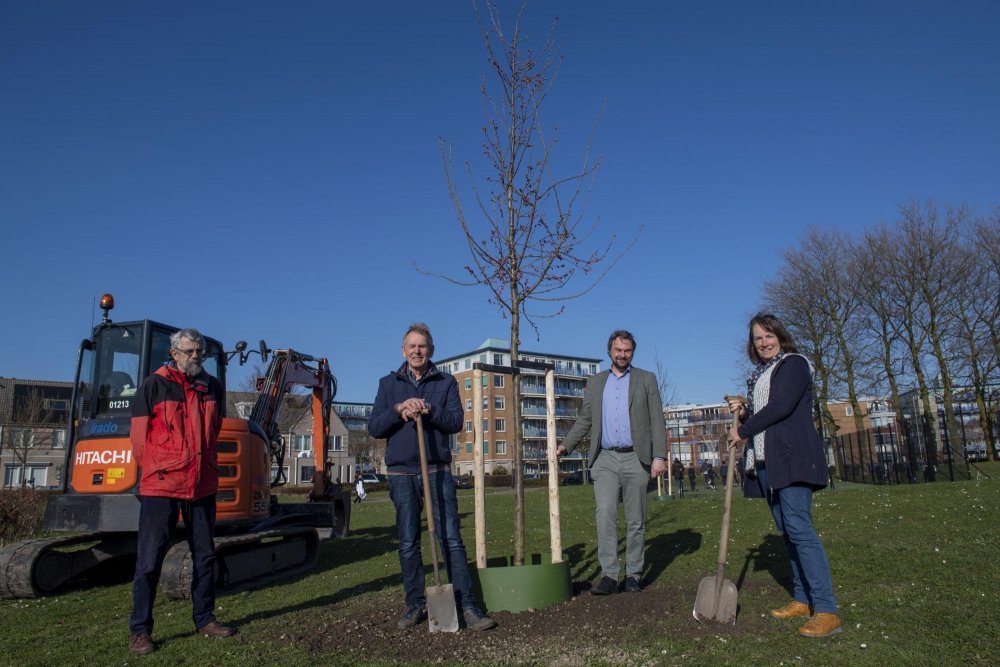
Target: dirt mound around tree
[[578, 631]]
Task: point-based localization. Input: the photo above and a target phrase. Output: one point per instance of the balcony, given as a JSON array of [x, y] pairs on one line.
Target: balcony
[[540, 412], [530, 432], [360, 412], [533, 390]]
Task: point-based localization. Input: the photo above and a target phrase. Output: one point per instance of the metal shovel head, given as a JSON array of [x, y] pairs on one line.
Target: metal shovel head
[[709, 608], [442, 615]]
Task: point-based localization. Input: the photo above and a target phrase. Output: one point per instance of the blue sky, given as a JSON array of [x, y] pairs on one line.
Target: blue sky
[[271, 170]]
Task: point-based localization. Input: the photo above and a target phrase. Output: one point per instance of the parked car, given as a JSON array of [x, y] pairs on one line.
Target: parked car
[[574, 479], [462, 483], [371, 478]]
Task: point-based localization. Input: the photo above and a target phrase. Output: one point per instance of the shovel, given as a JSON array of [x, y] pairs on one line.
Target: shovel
[[716, 599], [442, 614]]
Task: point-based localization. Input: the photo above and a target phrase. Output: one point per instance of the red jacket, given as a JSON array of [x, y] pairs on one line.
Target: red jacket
[[175, 425]]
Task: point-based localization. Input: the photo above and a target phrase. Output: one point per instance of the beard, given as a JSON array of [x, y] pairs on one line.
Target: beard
[[191, 368]]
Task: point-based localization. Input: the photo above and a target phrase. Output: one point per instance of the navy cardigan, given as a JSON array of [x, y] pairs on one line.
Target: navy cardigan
[[793, 450], [440, 391]]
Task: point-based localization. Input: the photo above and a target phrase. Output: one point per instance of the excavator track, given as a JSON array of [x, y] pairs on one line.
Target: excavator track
[[245, 561], [36, 567]]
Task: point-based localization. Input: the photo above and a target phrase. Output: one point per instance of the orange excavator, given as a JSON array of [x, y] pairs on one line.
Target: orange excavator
[[96, 518]]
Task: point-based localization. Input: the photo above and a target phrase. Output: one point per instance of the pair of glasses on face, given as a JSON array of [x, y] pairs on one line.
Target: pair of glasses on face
[[192, 352]]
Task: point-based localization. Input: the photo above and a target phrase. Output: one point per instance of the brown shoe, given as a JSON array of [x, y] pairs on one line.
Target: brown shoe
[[216, 629], [141, 643], [821, 625], [793, 609]]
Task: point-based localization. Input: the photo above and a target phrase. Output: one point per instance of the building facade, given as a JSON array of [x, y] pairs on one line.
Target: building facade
[[571, 374], [697, 433], [34, 426]]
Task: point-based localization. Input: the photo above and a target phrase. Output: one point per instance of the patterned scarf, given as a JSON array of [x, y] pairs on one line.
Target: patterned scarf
[[758, 394]]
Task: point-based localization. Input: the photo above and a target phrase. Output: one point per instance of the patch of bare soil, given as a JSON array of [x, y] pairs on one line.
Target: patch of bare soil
[[584, 629]]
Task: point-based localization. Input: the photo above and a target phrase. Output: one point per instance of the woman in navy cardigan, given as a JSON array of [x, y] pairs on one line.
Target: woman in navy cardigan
[[785, 463]]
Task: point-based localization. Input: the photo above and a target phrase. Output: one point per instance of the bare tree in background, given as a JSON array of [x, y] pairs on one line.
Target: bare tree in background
[[532, 235], [666, 386], [366, 449], [29, 429]]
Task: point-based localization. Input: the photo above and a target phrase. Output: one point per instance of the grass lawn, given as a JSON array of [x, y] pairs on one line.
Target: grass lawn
[[914, 569]]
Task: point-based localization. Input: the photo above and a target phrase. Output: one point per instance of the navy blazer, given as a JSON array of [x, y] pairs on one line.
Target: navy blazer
[[440, 392], [793, 450]]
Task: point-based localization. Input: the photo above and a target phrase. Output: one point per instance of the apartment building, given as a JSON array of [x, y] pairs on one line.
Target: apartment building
[[697, 433], [571, 374], [34, 422]]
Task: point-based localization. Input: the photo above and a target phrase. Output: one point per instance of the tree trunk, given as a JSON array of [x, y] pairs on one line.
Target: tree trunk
[[518, 465]]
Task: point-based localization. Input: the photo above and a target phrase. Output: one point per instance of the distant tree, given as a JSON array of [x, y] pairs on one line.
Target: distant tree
[[365, 449], [28, 429], [533, 234], [666, 385]]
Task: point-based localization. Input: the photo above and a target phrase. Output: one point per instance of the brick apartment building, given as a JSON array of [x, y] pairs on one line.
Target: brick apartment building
[[696, 432], [571, 374]]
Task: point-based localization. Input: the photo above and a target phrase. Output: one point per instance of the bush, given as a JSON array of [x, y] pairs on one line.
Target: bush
[[500, 470], [21, 512]]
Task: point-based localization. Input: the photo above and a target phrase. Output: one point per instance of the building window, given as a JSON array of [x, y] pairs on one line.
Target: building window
[[306, 474], [482, 358], [486, 379], [593, 369], [486, 446], [501, 446], [468, 427], [284, 472], [498, 380], [468, 448], [849, 411], [498, 402], [468, 383], [498, 360], [34, 477], [59, 438], [338, 443], [56, 404], [486, 424], [500, 425], [468, 404], [486, 403], [468, 364], [302, 443]]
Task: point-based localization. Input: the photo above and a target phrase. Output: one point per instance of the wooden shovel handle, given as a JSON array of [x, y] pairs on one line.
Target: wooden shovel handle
[[425, 477]]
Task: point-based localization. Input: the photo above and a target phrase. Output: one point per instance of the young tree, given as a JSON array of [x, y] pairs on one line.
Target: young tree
[[29, 429], [531, 241]]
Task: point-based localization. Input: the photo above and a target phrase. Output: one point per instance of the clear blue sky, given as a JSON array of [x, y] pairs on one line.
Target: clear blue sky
[[271, 170]]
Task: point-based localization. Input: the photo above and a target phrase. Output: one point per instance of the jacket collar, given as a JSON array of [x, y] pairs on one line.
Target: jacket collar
[[199, 383], [405, 373]]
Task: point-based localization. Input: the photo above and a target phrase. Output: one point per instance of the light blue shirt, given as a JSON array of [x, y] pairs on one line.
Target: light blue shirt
[[616, 428]]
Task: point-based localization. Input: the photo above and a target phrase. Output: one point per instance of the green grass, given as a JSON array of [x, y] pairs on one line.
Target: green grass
[[914, 568]]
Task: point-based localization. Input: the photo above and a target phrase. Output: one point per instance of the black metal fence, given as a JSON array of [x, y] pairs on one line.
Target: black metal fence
[[915, 453]]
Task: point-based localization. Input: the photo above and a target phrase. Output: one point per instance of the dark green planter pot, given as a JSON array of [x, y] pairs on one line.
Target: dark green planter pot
[[666, 497], [537, 584]]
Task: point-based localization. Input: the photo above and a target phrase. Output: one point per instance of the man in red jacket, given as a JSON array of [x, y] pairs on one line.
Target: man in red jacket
[[176, 420]]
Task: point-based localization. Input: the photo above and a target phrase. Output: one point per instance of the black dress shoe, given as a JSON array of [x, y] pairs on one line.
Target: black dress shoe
[[632, 585], [607, 586]]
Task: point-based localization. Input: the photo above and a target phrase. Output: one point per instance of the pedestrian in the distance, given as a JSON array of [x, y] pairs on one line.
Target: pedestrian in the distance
[[359, 489], [723, 471], [710, 478], [677, 469], [692, 476], [786, 463]]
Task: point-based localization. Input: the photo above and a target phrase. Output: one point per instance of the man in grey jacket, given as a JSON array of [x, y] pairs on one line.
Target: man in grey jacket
[[623, 417]]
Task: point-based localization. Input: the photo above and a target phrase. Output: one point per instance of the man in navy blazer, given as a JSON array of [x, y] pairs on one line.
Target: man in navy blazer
[[622, 414]]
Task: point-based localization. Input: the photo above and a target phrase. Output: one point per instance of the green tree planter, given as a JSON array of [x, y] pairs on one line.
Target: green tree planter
[[537, 584]]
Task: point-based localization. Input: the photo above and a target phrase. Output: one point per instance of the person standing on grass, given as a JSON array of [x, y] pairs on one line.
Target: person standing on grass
[[785, 463], [723, 471], [677, 468], [623, 416], [692, 476], [176, 418], [359, 489], [402, 398]]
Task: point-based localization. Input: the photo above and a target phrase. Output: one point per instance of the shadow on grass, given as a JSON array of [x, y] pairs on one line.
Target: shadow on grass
[[663, 549], [772, 557], [583, 562]]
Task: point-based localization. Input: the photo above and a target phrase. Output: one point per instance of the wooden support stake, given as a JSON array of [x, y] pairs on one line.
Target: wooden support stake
[[555, 532], [478, 472]]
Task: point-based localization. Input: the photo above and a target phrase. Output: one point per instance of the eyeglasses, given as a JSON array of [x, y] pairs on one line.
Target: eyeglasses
[[191, 352]]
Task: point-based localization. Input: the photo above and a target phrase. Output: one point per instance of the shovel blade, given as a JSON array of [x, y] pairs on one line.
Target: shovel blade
[[711, 606], [442, 615]]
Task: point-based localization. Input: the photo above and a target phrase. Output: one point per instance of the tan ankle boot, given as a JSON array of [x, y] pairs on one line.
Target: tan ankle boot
[[821, 625], [792, 609]]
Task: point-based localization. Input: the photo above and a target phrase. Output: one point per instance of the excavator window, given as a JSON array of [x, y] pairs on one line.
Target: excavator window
[[118, 369]]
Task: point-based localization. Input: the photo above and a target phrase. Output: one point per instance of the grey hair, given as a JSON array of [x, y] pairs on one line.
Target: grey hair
[[192, 335], [421, 329], [624, 335]]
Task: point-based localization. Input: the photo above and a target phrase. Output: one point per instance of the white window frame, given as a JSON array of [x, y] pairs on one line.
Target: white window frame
[[468, 405], [300, 440], [500, 447], [500, 424], [337, 444], [499, 403], [498, 380], [486, 424], [468, 426]]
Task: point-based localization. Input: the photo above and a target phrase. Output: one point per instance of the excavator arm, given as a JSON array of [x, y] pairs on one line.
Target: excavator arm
[[289, 369]]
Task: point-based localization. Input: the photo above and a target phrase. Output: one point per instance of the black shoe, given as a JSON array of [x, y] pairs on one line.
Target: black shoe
[[413, 616], [607, 586], [477, 620], [632, 585]]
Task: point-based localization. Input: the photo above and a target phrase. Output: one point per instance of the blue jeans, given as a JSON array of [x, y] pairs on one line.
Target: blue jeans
[[792, 511], [157, 522], [407, 493]]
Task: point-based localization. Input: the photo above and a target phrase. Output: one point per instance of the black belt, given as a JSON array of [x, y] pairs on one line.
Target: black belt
[[621, 450]]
